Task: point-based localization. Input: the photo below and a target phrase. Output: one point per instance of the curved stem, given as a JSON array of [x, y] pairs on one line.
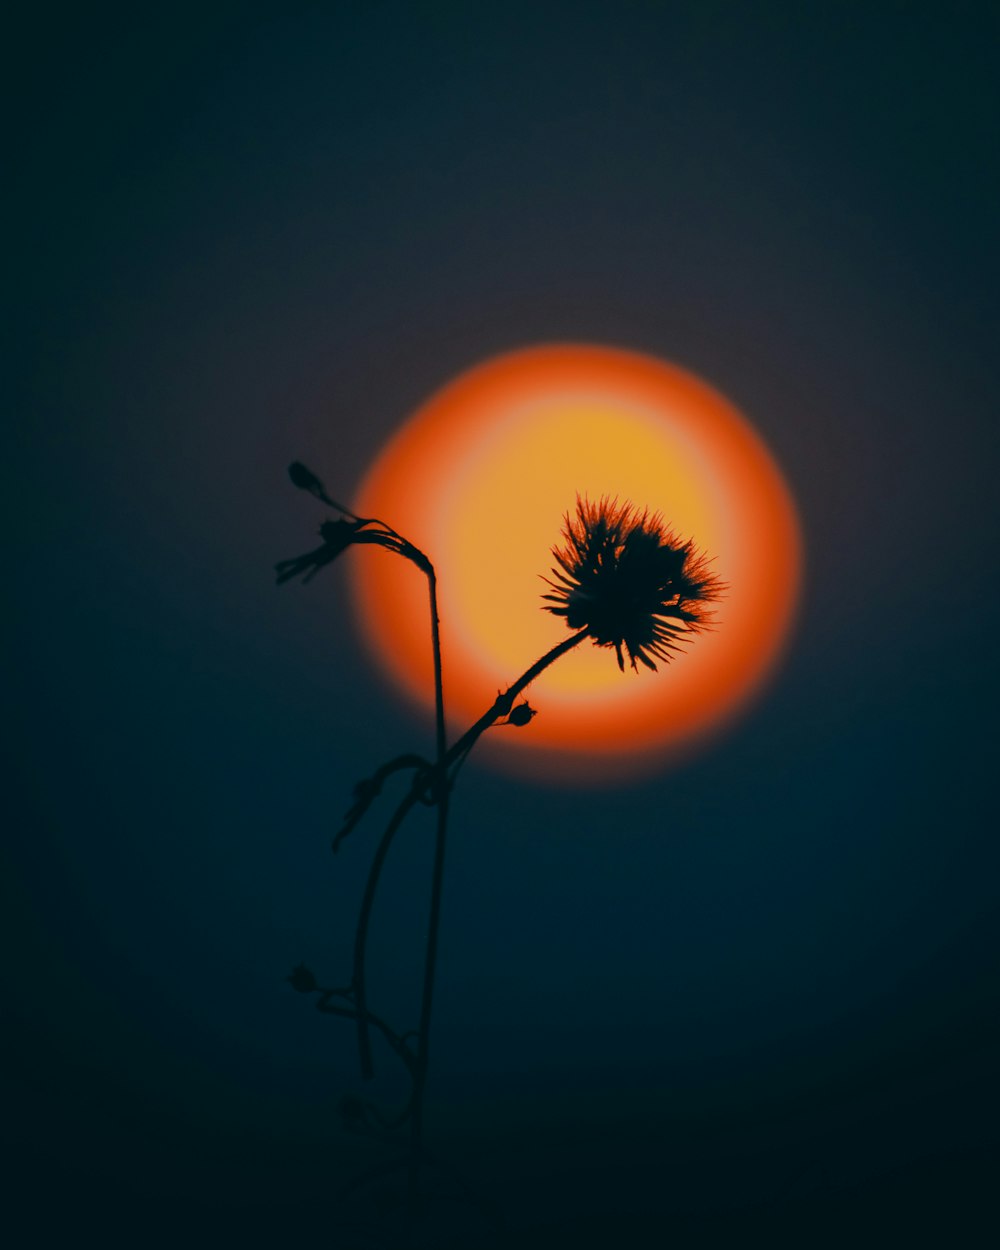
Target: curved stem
[[501, 707], [371, 885], [361, 931], [441, 789], [397, 1042], [439, 730], [365, 792], [505, 701], [445, 759]]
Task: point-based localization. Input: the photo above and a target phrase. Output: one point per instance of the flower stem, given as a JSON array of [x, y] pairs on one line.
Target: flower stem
[[439, 730], [441, 790], [505, 701]]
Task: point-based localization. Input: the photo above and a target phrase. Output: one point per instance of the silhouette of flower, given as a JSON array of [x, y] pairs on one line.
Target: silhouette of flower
[[340, 534], [630, 582]]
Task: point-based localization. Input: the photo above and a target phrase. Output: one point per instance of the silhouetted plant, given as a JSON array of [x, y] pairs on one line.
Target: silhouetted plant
[[624, 581]]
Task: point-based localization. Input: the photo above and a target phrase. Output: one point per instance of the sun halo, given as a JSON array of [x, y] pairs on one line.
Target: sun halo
[[481, 477]]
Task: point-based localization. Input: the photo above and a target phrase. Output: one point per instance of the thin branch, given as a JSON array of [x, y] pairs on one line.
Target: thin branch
[[366, 791], [455, 755], [442, 794], [394, 1039], [505, 701], [358, 981]]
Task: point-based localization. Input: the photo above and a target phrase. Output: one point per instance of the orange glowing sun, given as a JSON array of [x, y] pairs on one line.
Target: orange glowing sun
[[481, 477]]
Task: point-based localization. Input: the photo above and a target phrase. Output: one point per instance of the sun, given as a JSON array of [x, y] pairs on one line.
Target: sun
[[481, 478]]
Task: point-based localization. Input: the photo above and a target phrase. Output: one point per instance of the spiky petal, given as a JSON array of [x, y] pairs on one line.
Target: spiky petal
[[630, 582]]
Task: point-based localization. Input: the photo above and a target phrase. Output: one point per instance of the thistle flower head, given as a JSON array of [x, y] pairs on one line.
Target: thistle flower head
[[630, 582]]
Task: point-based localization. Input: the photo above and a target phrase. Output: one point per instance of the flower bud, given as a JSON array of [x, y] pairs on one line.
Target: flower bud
[[521, 714], [303, 980]]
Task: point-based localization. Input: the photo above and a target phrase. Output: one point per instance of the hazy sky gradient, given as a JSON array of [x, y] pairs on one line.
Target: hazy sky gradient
[[757, 992]]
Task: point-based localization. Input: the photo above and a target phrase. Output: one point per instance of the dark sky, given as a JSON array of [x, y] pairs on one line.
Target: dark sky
[[753, 996]]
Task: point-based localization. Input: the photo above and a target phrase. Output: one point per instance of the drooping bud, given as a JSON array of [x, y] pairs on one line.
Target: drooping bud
[[305, 479], [337, 537]]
